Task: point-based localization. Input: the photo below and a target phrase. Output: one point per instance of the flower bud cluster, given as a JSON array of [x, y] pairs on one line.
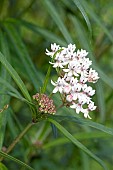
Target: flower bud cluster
[[75, 75], [45, 104]]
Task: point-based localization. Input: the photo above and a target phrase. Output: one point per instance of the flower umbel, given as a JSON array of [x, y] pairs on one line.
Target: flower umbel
[[45, 104], [75, 76]]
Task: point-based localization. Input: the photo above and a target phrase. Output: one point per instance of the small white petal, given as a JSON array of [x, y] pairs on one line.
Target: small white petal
[[67, 88], [55, 90], [60, 89], [66, 70], [70, 73], [69, 98], [73, 106], [55, 65], [54, 84]]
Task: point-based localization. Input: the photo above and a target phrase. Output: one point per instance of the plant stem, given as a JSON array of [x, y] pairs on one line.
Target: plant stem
[[17, 139]]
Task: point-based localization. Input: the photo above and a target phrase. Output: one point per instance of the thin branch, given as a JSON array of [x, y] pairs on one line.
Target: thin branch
[[17, 139]]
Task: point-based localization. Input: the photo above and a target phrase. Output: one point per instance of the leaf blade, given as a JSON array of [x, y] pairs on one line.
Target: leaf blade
[[57, 19], [15, 160], [23, 54], [85, 122], [77, 143], [84, 14], [15, 76]]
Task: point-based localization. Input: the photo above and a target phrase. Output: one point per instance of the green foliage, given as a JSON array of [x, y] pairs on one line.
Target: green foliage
[[14, 159], [3, 167], [27, 28]]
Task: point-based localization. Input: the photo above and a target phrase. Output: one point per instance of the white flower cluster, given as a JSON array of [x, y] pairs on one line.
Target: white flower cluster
[[75, 75]]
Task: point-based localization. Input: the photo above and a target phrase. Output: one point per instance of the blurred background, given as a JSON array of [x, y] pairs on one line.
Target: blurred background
[[27, 28]]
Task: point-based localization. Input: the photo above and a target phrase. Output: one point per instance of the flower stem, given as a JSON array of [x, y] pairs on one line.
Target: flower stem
[[17, 139]]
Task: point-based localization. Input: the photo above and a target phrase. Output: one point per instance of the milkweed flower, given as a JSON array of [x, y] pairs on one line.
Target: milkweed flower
[[75, 77], [45, 104]]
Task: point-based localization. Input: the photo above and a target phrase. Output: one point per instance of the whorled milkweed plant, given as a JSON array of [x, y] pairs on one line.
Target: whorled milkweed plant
[[74, 86]]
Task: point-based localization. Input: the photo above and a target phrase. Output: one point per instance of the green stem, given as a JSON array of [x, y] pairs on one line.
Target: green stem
[[17, 139]]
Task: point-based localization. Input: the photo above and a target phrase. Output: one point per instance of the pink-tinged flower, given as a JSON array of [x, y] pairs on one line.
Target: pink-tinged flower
[[85, 65], [69, 98], [72, 69], [91, 106], [68, 57], [54, 48], [57, 64], [58, 61], [77, 107], [81, 54], [59, 84], [92, 76], [83, 78], [86, 113], [67, 88], [88, 90], [83, 98], [72, 97], [73, 81], [67, 78], [71, 48], [77, 87]]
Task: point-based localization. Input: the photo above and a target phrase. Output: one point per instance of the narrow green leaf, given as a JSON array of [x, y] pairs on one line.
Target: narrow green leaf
[[80, 136], [77, 143], [4, 75], [3, 121], [3, 167], [46, 80], [10, 87], [97, 19], [44, 132], [18, 97], [85, 161], [15, 76], [57, 19], [84, 122], [43, 32], [81, 34], [13, 121], [80, 7], [23, 54], [101, 102], [15, 160]]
